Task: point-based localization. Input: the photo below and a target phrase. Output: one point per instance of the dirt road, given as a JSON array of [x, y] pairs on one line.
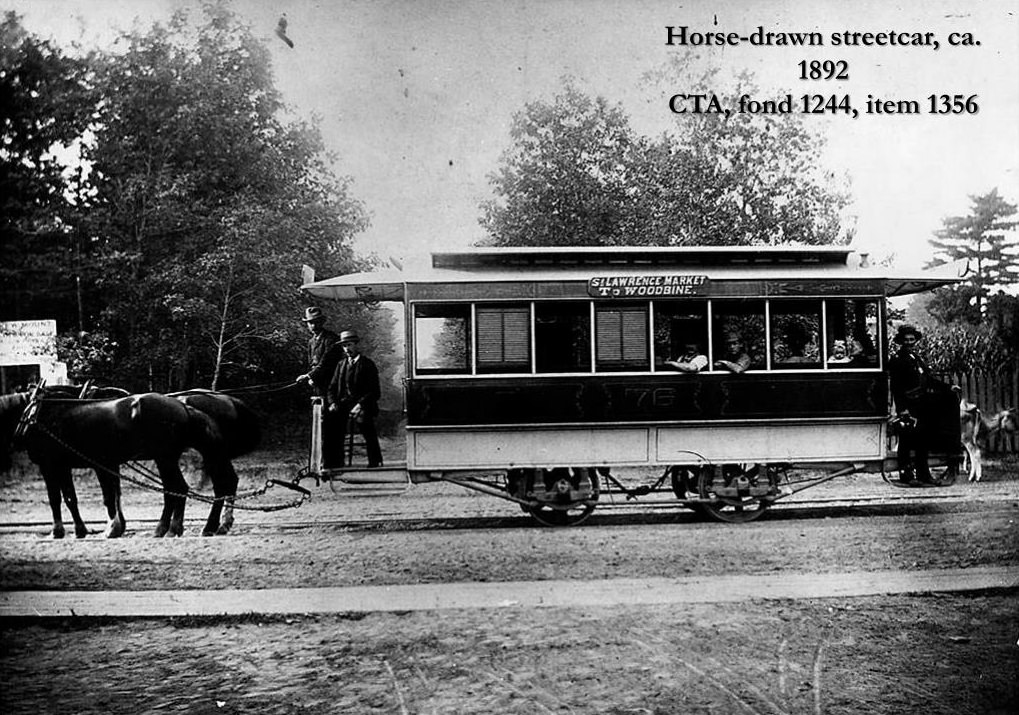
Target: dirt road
[[932, 653]]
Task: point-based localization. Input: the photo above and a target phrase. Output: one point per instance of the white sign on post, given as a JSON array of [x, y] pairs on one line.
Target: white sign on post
[[28, 342]]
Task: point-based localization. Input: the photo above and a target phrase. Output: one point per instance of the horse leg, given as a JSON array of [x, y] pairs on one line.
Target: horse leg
[[977, 468], [51, 478], [228, 517], [224, 483], [175, 489], [71, 500], [109, 482]]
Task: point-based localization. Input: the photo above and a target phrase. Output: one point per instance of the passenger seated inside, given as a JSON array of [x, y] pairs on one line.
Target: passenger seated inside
[[862, 356], [839, 355], [736, 358], [691, 359], [796, 342]]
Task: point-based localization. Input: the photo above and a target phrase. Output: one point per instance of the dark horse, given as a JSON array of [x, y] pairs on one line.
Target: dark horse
[[239, 428], [66, 433]]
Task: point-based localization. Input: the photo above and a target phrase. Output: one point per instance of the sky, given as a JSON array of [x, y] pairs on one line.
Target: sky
[[416, 97]]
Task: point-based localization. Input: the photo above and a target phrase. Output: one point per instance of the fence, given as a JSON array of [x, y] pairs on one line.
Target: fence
[[991, 391]]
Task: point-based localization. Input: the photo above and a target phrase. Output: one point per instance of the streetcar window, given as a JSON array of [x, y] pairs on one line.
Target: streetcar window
[[679, 324], [562, 337], [504, 338], [852, 332], [737, 334], [442, 339], [621, 337], [795, 334]]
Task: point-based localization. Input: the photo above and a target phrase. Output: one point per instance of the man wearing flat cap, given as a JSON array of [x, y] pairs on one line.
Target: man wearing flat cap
[[324, 353], [354, 393], [910, 378]]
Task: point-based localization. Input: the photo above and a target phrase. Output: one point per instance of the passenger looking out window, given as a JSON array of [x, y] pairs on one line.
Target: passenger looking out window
[[735, 357], [691, 359], [839, 354], [853, 322], [681, 329], [738, 335]]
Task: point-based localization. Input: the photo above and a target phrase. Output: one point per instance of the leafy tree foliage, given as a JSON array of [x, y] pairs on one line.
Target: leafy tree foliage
[[566, 179], [952, 345], [205, 204], [46, 103], [578, 174], [191, 209], [987, 240]]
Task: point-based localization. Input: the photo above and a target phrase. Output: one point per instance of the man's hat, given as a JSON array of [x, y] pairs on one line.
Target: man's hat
[[349, 336], [313, 314], [905, 330]]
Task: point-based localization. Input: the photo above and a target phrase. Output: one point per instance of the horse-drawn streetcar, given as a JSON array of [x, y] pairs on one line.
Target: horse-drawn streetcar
[[532, 374]]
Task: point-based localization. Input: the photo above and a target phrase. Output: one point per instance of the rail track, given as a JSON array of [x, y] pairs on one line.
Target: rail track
[[388, 515]]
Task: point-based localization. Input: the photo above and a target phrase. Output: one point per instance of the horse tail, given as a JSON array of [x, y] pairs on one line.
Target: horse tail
[[204, 435]]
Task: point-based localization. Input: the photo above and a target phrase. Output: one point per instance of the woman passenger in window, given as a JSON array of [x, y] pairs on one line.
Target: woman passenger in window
[[736, 357], [691, 360]]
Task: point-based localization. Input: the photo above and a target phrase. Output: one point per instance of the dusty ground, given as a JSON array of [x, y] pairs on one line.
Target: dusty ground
[[933, 654]]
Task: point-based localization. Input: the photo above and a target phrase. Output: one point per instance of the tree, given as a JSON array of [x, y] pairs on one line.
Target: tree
[[578, 174], [47, 102], [987, 240], [205, 204], [751, 179], [565, 179]]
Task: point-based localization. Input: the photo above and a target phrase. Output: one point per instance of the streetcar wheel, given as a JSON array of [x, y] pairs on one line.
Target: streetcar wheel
[[566, 513], [729, 507], [570, 516]]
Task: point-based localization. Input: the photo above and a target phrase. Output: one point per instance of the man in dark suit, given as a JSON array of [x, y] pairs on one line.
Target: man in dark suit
[[324, 353], [354, 393], [910, 378]]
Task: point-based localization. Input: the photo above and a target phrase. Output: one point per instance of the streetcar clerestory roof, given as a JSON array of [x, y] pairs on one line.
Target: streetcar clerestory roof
[[567, 264]]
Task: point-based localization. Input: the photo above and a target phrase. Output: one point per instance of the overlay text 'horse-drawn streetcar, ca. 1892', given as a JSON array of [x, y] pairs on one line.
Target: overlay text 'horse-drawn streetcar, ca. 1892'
[[532, 373]]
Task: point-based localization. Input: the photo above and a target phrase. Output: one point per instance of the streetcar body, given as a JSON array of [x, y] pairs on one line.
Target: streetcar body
[[535, 361]]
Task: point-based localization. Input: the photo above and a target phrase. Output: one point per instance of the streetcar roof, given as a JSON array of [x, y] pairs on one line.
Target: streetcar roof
[[568, 264]]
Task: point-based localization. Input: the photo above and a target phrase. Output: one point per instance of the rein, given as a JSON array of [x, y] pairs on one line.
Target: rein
[[263, 389]]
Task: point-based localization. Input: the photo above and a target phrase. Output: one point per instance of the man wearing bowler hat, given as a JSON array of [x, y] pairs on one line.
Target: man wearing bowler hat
[[910, 378], [324, 353], [354, 392]]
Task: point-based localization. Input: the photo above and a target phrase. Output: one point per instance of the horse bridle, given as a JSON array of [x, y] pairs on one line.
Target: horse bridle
[[28, 416]]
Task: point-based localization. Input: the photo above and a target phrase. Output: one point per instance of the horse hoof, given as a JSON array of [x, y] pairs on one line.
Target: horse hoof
[[160, 531], [80, 534], [209, 532], [58, 534], [223, 530]]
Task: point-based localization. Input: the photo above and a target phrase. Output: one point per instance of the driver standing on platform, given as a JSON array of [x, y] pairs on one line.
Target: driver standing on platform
[[323, 354], [354, 394]]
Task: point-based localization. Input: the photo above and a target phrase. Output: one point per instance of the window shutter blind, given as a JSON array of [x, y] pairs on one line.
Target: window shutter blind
[[504, 336], [622, 336]]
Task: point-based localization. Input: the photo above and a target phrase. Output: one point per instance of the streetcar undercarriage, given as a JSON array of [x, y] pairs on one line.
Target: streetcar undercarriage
[[735, 492]]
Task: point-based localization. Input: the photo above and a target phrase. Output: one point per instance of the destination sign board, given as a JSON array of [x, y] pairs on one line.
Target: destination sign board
[[28, 342], [656, 286]]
